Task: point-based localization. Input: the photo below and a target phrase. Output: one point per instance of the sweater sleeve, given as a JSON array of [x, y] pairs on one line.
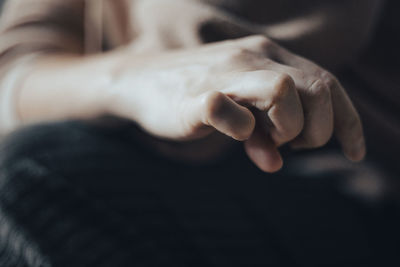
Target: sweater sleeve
[[29, 28]]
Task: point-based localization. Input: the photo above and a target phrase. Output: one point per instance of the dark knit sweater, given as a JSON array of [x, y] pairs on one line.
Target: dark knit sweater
[[78, 195]]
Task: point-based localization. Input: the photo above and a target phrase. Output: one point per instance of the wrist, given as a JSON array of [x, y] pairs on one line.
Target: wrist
[[122, 88]]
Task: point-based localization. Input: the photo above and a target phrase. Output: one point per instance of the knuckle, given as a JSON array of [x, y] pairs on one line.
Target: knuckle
[[303, 75], [320, 91], [329, 79], [237, 55], [283, 85], [261, 42]]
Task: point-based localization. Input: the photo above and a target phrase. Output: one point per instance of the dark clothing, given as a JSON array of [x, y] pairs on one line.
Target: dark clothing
[[73, 194], [78, 195]]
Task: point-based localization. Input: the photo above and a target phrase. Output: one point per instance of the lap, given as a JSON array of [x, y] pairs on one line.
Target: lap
[[79, 189]]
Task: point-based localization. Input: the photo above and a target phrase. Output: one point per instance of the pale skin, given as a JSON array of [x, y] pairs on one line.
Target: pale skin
[[236, 88]]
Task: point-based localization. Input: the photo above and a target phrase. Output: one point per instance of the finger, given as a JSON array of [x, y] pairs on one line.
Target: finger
[[347, 123], [318, 117], [222, 113], [274, 93], [317, 107], [348, 126], [287, 117], [261, 149]]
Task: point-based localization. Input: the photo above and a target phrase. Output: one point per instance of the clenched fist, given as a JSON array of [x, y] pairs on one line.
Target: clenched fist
[[249, 89]]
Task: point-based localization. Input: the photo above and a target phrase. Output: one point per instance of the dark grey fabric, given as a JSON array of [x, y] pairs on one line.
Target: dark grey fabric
[[73, 194]]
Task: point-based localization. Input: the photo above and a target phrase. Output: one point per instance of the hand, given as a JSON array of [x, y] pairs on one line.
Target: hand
[[250, 89]]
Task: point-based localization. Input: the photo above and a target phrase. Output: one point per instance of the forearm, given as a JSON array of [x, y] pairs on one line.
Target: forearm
[[66, 86]]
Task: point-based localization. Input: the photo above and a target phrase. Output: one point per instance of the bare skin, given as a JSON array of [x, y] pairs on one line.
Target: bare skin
[[232, 87]]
